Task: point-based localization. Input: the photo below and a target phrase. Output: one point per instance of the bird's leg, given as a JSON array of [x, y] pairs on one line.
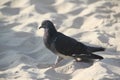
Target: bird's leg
[[57, 61]]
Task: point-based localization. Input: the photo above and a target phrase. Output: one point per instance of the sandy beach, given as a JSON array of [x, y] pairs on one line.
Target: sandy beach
[[23, 55]]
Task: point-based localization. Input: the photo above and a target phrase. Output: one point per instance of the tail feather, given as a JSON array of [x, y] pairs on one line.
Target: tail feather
[[94, 56], [90, 56], [95, 49]]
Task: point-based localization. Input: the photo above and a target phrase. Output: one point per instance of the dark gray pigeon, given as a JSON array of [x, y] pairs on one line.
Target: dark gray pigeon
[[67, 47]]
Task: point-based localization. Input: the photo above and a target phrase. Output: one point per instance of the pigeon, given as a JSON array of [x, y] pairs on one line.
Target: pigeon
[[66, 47]]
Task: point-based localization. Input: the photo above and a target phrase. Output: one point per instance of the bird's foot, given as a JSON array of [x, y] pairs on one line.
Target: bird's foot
[[53, 66], [57, 61]]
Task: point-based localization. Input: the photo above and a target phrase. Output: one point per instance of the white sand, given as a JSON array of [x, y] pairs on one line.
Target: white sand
[[23, 55]]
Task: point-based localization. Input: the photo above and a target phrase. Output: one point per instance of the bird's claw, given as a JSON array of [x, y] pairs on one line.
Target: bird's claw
[[53, 66]]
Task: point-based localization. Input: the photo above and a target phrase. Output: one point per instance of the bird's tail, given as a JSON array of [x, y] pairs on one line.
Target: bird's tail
[[91, 56], [95, 49], [94, 56]]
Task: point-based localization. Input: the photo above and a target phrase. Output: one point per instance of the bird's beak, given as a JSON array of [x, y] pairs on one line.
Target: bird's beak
[[40, 27]]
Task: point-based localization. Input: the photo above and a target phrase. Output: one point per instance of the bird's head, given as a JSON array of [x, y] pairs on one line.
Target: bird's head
[[46, 24]]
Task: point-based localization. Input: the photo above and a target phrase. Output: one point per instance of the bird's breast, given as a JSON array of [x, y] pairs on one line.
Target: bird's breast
[[48, 41], [46, 38]]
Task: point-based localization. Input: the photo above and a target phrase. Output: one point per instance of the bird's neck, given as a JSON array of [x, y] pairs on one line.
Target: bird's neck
[[51, 32], [49, 36]]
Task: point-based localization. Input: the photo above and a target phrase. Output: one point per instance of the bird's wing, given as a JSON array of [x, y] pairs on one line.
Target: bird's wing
[[65, 45]]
